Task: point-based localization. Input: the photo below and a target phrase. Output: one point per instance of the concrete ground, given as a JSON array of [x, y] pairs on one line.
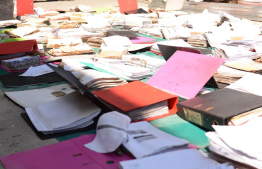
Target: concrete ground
[[15, 134]]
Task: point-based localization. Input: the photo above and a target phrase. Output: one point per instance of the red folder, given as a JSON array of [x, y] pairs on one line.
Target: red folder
[[28, 46], [127, 5], [135, 95], [25, 7]]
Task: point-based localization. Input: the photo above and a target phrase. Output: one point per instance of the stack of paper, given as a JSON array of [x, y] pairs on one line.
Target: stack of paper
[[119, 68], [186, 159], [32, 98], [8, 23], [69, 112], [144, 61], [176, 33], [22, 31], [71, 50], [228, 75], [176, 42], [240, 144], [197, 40], [146, 140], [96, 80], [115, 52], [55, 43], [246, 65]]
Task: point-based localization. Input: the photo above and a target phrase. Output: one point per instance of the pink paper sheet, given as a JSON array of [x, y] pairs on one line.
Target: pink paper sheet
[[185, 73], [70, 154]]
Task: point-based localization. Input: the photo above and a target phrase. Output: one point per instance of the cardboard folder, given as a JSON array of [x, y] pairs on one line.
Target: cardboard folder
[[69, 154], [135, 95], [185, 73], [217, 107]]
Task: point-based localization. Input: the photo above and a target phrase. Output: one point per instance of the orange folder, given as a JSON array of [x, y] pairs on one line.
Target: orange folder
[[127, 5], [135, 95]]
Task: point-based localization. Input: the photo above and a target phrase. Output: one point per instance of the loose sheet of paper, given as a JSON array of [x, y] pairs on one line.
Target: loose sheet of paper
[[111, 131]]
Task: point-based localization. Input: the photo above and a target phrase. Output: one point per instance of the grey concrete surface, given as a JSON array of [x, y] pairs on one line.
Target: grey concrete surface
[[15, 134], [66, 4]]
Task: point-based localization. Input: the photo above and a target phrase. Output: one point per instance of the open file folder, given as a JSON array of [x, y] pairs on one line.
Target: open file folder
[[69, 154]]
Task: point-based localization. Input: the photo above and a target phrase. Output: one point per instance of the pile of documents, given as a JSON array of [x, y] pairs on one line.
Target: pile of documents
[[119, 68], [96, 80], [144, 61], [69, 112], [238, 144]]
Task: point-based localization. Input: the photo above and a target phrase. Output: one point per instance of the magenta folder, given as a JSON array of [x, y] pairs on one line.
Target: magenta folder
[[185, 73], [139, 39], [70, 154]]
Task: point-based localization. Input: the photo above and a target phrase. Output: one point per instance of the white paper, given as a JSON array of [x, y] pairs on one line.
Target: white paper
[[35, 97], [244, 138], [111, 131], [34, 71], [145, 140], [250, 83], [179, 159], [117, 41], [64, 113]]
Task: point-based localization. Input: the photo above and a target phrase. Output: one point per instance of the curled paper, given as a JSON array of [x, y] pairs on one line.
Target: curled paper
[[111, 132]]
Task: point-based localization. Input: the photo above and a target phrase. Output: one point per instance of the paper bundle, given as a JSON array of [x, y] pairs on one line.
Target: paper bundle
[[64, 25], [96, 80], [197, 40], [238, 144], [176, 42], [22, 31], [69, 112], [111, 52], [56, 43], [144, 61], [71, 50], [72, 33], [246, 65], [8, 23], [93, 41], [228, 75], [119, 68]]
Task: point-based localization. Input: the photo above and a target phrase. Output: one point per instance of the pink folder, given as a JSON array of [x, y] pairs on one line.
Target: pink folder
[[142, 40], [70, 154], [185, 73]]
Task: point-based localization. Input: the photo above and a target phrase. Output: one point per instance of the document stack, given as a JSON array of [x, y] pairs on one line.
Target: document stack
[[241, 145], [70, 112], [146, 140], [176, 42], [228, 75], [96, 80], [119, 68], [144, 61]]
